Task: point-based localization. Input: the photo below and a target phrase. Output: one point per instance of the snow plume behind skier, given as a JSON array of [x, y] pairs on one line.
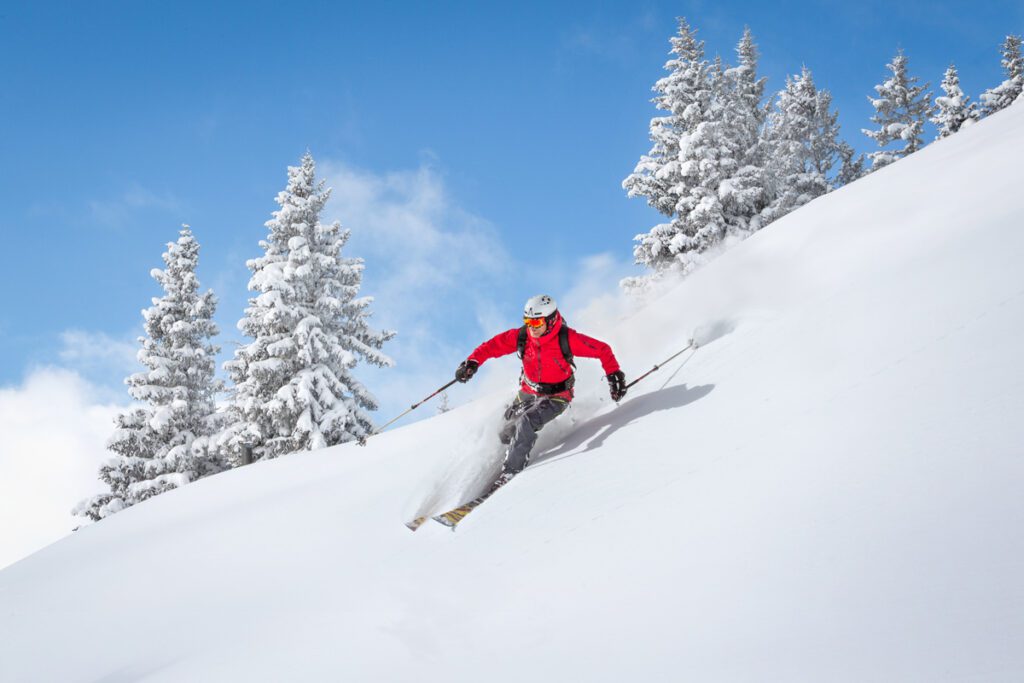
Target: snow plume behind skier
[[548, 348]]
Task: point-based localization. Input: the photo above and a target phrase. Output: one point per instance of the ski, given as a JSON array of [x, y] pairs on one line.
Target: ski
[[451, 518], [416, 523]]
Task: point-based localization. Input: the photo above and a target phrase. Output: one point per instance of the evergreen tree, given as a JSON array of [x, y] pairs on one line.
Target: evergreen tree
[[806, 156], [742, 188], [852, 167], [668, 172], [705, 171], [901, 109], [952, 109], [293, 385], [801, 136], [165, 443], [1003, 95], [699, 222]]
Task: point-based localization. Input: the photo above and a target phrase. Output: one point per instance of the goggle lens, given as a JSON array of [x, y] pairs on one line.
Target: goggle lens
[[534, 322]]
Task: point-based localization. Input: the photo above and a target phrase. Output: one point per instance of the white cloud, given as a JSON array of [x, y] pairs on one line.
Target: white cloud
[[593, 287], [98, 350], [430, 266], [408, 218], [53, 435], [616, 41], [118, 211]]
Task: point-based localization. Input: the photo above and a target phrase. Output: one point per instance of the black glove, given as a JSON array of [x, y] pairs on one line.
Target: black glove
[[467, 369], [617, 385]]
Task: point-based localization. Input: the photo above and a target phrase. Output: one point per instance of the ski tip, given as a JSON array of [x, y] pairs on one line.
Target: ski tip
[[415, 524], [447, 520]]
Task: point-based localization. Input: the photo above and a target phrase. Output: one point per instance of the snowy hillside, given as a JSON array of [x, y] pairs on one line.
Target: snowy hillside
[[829, 489]]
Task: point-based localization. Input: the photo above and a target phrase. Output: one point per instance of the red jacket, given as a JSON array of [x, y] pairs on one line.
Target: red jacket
[[543, 361]]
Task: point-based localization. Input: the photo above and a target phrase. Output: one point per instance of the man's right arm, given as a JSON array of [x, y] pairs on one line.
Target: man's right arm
[[495, 347], [499, 345]]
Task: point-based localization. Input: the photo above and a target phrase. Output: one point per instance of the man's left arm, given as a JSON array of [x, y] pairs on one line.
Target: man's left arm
[[588, 347]]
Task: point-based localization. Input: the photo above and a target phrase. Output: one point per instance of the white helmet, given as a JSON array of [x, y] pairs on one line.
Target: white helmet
[[540, 306]]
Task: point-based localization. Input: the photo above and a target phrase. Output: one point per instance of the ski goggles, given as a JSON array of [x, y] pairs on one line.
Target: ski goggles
[[534, 322]]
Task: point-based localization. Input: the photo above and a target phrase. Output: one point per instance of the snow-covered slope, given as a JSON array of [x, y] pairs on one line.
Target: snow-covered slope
[[830, 488]]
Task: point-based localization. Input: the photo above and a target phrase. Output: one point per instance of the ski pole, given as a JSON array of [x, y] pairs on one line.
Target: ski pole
[[362, 441], [691, 345]]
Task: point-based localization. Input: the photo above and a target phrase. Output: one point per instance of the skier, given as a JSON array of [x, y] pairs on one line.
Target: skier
[[547, 347]]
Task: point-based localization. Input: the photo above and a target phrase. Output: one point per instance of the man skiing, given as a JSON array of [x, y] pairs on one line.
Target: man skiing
[[547, 347]]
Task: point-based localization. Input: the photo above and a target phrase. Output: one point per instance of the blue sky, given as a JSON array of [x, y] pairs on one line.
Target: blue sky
[[475, 148]]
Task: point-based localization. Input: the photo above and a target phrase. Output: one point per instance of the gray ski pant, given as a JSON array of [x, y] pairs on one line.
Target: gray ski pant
[[525, 417]]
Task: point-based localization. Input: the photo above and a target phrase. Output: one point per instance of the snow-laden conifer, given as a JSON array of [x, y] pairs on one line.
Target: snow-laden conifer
[[851, 165], [683, 95], [1004, 94], [165, 442], [743, 189], [804, 149], [952, 110], [293, 384], [667, 174], [699, 222], [900, 112], [705, 170]]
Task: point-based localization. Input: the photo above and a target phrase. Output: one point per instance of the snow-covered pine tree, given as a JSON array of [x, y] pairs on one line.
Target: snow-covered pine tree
[[952, 110], [668, 172], [700, 220], [293, 385], [165, 443], [743, 188], [852, 165], [802, 140], [826, 149], [900, 112], [1004, 94]]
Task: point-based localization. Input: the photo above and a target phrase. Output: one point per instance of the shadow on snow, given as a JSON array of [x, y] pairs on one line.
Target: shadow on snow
[[594, 432]]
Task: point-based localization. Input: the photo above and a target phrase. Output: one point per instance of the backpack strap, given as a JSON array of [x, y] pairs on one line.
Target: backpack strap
[[521, 341], [563, 341]]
